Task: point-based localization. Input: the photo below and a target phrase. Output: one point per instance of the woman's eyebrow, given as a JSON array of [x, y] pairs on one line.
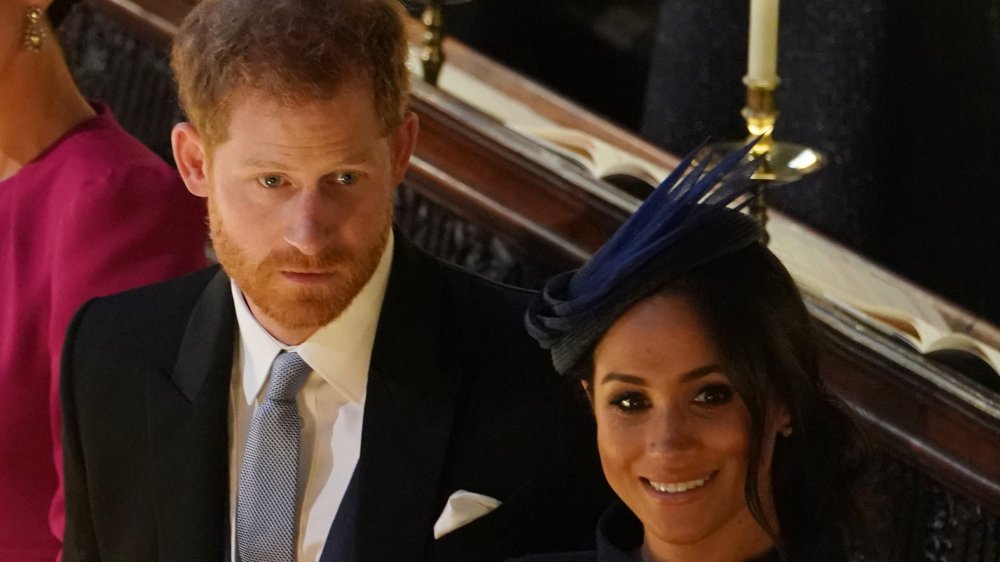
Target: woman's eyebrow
[[630, 379], [689, 376], [700, 372]]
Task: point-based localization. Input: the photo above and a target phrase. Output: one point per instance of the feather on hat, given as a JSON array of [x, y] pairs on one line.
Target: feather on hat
[[684, 223]]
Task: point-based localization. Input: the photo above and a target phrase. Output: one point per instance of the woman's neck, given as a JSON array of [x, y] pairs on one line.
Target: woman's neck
[[744, 540], [39, 103]]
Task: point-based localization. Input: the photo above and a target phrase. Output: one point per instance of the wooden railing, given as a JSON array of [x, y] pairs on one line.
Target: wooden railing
[[485, 197]]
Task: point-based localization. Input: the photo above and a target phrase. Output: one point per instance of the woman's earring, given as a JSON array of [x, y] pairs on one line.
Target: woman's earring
[[34, 30], [786, 431]]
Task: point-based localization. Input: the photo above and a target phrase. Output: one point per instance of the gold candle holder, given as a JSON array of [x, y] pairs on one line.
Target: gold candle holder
[[777, 162], [432, 53], [760, 113]]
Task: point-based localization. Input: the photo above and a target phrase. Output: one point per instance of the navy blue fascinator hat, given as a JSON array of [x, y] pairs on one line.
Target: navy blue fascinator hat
[[686, 222]]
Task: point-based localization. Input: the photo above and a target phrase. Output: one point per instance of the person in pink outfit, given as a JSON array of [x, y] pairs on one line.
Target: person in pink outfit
[[85, 210]]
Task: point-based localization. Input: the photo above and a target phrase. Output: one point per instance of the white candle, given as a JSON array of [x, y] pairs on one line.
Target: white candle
[[762, 54]]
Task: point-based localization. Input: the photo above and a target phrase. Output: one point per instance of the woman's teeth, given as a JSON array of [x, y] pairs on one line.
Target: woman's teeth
[[678, 487]]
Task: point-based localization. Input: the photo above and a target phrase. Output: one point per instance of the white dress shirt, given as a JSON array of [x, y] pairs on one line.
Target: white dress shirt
[[331, 403]]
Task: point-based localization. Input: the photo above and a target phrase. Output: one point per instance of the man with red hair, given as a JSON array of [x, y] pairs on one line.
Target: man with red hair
[[332, 392]]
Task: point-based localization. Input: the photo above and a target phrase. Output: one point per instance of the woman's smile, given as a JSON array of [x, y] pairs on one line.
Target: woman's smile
[[677, 489]]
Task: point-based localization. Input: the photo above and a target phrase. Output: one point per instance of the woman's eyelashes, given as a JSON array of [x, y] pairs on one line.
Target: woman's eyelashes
[[635, 401], [629, 401], [715, 394]]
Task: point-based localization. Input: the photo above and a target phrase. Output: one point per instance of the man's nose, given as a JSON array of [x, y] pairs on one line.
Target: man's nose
[[308, 228]]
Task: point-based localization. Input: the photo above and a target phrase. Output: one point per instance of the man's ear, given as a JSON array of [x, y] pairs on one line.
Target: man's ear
[[404, 142], [192, 162]]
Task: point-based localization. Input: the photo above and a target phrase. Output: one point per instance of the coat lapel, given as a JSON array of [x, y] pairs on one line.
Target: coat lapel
[[189, 432], [408, 414]]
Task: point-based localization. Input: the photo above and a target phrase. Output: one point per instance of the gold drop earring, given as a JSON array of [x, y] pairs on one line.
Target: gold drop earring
[[34, 30]]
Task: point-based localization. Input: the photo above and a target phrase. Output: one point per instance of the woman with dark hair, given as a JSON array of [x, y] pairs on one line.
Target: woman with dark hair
[[86, 211], [695, 349]]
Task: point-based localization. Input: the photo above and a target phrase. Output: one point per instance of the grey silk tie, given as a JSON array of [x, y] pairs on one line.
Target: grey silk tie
[[266, 513]]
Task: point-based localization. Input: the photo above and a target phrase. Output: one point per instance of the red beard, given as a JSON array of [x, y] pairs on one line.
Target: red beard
[[297, 306]]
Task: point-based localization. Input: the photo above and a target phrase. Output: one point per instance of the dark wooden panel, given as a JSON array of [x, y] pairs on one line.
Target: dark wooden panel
[[936, 420]]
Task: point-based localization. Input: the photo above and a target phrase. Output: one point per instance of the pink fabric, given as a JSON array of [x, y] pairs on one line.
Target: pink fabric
[[95, 214]]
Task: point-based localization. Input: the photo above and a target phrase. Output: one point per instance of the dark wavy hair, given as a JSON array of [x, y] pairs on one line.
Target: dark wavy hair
[[754, 312]]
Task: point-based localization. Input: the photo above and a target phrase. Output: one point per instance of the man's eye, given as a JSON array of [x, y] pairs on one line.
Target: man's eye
[[630, 402], [715, 394], [270, 181], [347, 178]]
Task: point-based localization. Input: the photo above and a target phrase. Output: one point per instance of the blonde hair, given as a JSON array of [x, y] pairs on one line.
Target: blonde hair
[[290, 50]]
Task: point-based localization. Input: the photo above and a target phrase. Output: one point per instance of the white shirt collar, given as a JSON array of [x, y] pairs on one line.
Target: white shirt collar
[[340, 351]]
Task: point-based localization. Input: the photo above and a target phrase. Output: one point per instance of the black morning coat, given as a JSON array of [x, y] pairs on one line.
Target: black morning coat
[[458, 397]]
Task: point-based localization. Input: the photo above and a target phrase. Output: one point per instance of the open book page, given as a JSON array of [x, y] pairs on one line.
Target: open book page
[[915, 332], [919, 334], [968, 344], [601, 159], [825, 270], [926, 335], [480, 95], [868, 293]]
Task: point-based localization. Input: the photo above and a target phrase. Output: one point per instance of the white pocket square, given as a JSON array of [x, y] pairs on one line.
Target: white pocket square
[[463, 507]]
